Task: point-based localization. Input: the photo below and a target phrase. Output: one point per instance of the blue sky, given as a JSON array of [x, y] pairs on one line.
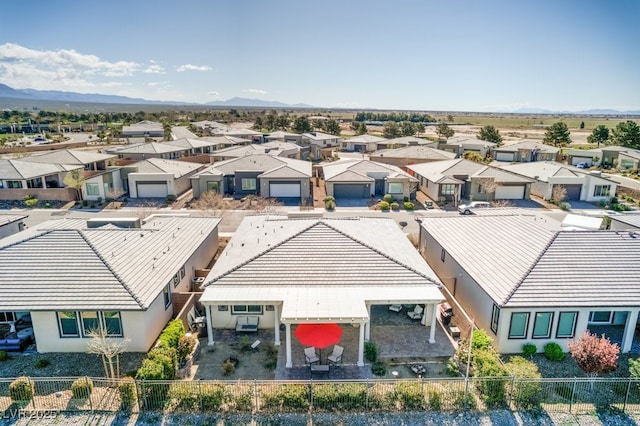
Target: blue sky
[[423, 55]]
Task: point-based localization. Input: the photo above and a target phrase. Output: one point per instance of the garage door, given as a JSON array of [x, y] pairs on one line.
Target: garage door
[[350, 190], [284, 190], [576, 160], [510, 192], [573, 192], [504, 156], [152, 189]]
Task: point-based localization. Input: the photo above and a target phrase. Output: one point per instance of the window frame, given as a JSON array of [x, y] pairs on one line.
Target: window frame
[[104, 323], [608, 321], [93, 189], [573, 328], [450, 189], [244, 184], [176, 280], [85, 330], [247, 310], [526, 325], [394, 184], [166, 293], [601, 190], [443, 255], [495, 318], [60, 327], [213, 186], [549, 326]]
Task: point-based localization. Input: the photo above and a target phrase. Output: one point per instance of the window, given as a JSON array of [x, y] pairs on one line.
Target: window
[[34, 183], [93, 189], [176, 280], [566, 324], [519, 325], [248, 184], [495, 317], [167, 295], [246, 309], [90, 322], [112, 323], [443, 255], [14, 184], [542, 325], [213, 186], [481, 189], [395, 188], [68, 324], [600, 316], [447, 189], [601, 190], [182, 272]]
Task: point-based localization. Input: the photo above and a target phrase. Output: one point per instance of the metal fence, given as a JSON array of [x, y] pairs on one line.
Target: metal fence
[[574, 396]]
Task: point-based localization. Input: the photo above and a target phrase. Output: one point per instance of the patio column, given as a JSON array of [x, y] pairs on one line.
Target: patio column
[[289, 363], [629, 331], [361, 345], [367, 330], [434, 321], [276, 330], [210, 341]]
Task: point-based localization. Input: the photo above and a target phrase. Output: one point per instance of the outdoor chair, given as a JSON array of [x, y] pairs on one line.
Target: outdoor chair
[[416, 314], [311, 355], [336, 356], [395, 308]]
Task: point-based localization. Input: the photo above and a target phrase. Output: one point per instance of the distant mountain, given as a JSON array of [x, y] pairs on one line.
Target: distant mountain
[[56, 95], [258, 103]]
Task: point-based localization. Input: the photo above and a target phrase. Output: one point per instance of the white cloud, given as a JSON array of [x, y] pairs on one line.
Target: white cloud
[[214, 93], [190, 67], [159, 84], [154, 69], [256, 91]]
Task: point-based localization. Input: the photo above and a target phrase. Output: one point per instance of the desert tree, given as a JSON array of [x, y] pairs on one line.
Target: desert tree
[[391, 130], [558, 193], [332, 127], [362, 129], [557, 135], [355, 126], [490, 134], [75, 180], [594, 355], [301, 125], [212, 204], [599, 135], [627, 133], [419, 126], [444, 131], [407, 128], [109, 349]]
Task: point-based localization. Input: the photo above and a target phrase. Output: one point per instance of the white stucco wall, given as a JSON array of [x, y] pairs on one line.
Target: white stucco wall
[[11, 228], [224, 319], [150, 177]]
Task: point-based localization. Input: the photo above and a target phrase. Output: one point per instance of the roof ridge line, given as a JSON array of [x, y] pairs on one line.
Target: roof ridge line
[[44, 232], [259, 254], [115, 274], [383, 254], [533, 265]]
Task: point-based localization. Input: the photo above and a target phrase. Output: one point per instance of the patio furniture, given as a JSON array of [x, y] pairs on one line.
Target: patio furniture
[[320, 368], [255, 345], [454, 331], [416, 314], [336, 356], [247, 324], [395, 308], [310, 355], [418, 369]]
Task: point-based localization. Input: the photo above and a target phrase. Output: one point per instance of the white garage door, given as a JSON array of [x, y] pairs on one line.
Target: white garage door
[[152, 190], [510, 193], [576, 160], [283, 190], [504, 156]]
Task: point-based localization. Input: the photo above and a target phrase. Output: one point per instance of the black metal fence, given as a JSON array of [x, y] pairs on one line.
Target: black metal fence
[[571, 395]]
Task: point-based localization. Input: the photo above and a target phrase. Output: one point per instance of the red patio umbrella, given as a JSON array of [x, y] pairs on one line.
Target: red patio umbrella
[[318, 335]]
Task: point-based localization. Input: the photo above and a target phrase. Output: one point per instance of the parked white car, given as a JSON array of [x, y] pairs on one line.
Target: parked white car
[[468, 208]]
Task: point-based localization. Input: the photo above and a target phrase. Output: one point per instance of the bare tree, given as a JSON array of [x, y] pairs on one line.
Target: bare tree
[[212, 203], [558, 194], [109, 350], [490, 186], [265, 205], [75, 180]]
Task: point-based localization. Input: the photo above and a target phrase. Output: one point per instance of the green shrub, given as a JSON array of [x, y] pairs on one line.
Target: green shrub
[[245, 343], [395, 206], [525, 393], [451, 368], [42, 363], [151, 369], [435, 400], [408, 205], [212, 396], [81, 388], [553, 351], [462, 403], [481, 340], [127, 391], [529, 349], [228, 368], [286, 398], [32, 202], [409, 394], [171, 333], [171, 198], [28, 197], [184, 397], [47, 205], [168, 358], [370, 351], [4, 356], [153, 395], [241, 399], [352, 396], [329, 198], [384, 206], [564, 206], [388, 198], [325, 396], [491, 387], [185, 346], [405, 199], [21, 389], [379, 368]]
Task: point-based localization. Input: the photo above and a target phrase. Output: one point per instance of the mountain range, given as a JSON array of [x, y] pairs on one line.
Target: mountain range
[[7, 92]]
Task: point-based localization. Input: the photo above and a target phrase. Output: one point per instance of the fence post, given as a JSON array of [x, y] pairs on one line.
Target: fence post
[[255, 396], [311, 394], [366, 395], [626, 396], [86, 381], [200, 395], [573, 392], [139, 392], [33, 399], [513, 383]]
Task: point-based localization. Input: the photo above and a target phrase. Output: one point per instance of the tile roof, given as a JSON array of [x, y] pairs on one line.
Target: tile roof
[[410, 140], [437, 170], [68, 156], [188, 143], [6, 219], [160, 165], [150, 148], [257, 162], [20, 169], [420, 151], [543, 170], [365, 139], [523, 264], [62, 265], [527, 145], [632, 220], [362, 167]]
